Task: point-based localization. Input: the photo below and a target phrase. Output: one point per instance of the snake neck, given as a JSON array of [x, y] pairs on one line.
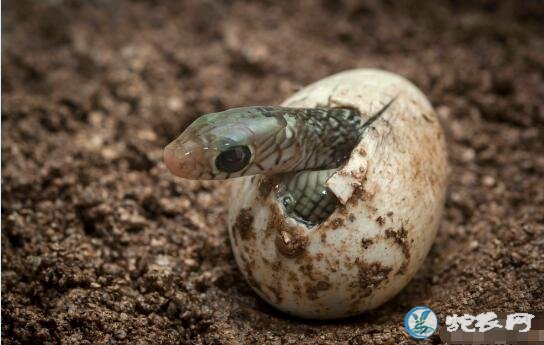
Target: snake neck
[[325, 136]]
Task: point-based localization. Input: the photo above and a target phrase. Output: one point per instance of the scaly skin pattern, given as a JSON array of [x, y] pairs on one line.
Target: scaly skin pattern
[[281, 140], [306, 145], [306, 198], [325, 136]]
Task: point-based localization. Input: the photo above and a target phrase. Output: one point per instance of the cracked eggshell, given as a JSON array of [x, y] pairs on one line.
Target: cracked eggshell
[[391, 190]]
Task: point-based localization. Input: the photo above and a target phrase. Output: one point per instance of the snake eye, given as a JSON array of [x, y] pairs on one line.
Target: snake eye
[[233, 159]]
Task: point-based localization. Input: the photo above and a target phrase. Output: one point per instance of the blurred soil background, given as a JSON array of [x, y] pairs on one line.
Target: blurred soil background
[[101, 245]]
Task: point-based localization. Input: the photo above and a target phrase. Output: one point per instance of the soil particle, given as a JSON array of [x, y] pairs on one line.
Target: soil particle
[[244, 224], [400, 237], [100, 244], [402, 268], [312, 291], [291, 240], [371, 276], [336, 223], [291, 243], [266, 185], [308, 270], [276, 292], [359, 194], [366, 242], [323, 237], [248, 270]]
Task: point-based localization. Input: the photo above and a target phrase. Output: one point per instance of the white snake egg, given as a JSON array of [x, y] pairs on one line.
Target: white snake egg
[[391, 193]]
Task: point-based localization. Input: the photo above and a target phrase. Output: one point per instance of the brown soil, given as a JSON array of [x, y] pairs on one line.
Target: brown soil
[[100, 244]]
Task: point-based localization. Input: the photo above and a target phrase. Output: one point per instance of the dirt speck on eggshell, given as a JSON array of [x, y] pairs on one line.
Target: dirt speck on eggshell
[[244, 224]]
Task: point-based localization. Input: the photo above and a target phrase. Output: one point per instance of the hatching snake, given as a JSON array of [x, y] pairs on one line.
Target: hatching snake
[[305, 145]]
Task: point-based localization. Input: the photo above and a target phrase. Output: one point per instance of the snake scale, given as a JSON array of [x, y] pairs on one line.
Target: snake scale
[[305, 145]]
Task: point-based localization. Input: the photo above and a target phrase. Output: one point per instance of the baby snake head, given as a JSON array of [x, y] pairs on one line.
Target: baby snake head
[[223, 145]]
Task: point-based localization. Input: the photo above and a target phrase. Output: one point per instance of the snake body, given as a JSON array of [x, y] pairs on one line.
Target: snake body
[[303, 145]]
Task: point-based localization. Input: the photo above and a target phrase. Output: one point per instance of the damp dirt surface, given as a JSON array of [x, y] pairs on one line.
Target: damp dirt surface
[[101, 245]]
